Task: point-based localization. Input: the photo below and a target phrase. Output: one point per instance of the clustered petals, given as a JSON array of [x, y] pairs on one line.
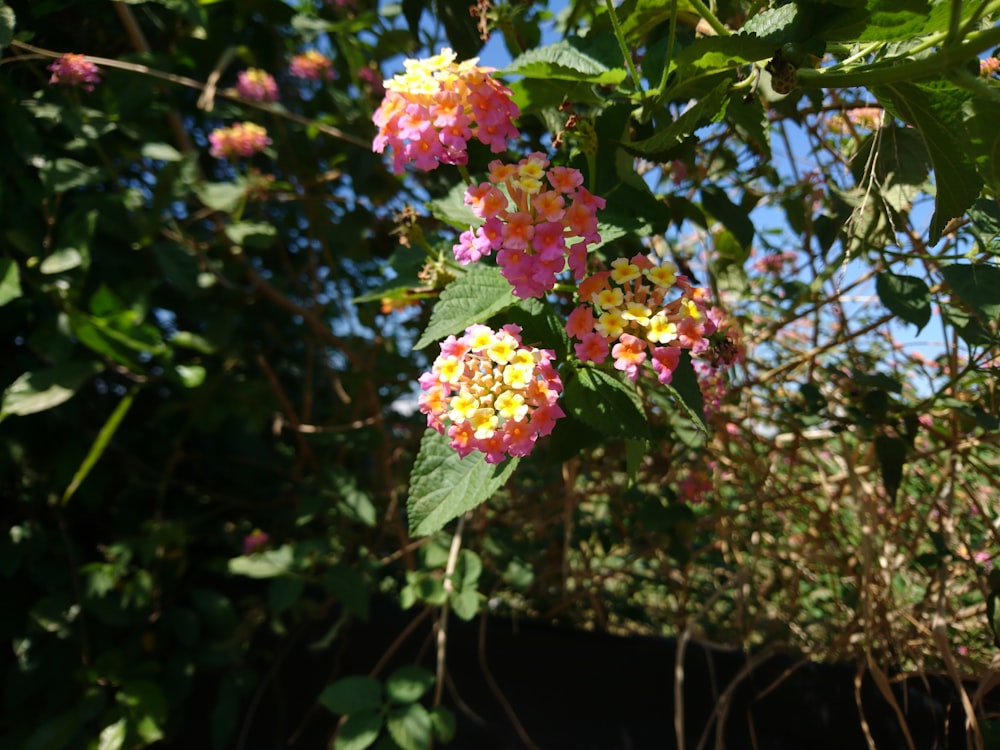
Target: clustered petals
[[311, 65], [243, 139], [257, 85], [74, 70], [432, 110], [626, 310], [532, 214], [488, 392]]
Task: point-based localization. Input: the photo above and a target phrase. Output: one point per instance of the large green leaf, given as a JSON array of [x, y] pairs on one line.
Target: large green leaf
[[408, 684], [936, 111], [977, 285], [351, 695], [565, 60], [982, 116], [410, 727], [606, 403], [46, 388], [443, 485], [10, 281], [471, 298], [906, 296]]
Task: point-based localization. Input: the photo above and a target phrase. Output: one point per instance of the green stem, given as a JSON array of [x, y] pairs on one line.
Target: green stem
[[670, 47], [620, 36], [463, 170], [704, 11], [950, 56]]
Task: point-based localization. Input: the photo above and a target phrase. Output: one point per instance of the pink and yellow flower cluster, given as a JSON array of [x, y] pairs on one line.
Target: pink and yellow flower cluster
[[531, 210], [431, 112], [311, 65], [257, 85], [490, 393], [626, 310], [74, 70], [240, 140]]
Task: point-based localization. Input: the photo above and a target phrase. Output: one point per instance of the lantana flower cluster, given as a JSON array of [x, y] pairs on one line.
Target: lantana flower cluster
[[243, 139], [74, 70], [311, 65], [627, 311], [488, 392], [257, 85], [431, 112], [531, 210]]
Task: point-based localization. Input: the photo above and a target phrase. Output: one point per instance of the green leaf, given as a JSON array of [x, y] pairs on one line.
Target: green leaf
[[7, 23], [735, 219], [639, 17], [443, 722], [976, 285], [100, 443], [936, 111], [46, 388], [191, 376], [267, 564], [351, 695], [707, 110], [903, 20], [222, 196], [160, 152], [906, 296], [465, 603], [443, 485], [359, 731], [452, 210], [408, 684], [565, 60], [410, 727], [61, 261], [471, 298], [891, 453], [982, 116], [112, 737], [468, 568], [253, 234], [283, 592], [147, 706], [64, 174], [606, 403], [10, 281]]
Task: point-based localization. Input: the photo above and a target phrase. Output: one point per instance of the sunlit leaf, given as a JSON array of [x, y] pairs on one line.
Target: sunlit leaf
[[443, 485], [46, 388], [471, 298]]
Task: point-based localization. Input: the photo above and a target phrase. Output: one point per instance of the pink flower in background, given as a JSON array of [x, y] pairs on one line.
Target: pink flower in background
[[989, 67], [312, 65], [74, 70], [488, 392], [240, 140], [431, 112], [257, 85], [255, 542], [531, 213]]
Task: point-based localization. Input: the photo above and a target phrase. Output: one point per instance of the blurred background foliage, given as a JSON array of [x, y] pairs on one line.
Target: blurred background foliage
[[208, 417]]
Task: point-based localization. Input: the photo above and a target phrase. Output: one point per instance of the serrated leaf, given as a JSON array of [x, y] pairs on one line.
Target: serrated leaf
[[906, 296], [639, 17], [10, 281], [976, 285], [408, 684], [605, 403], [350, 695], [714, 52], [565, 61], [903, 20], [443, 485], [410, 727], [707, 110], [936, 111], [982, 116], [471, 298], [44, 389]]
